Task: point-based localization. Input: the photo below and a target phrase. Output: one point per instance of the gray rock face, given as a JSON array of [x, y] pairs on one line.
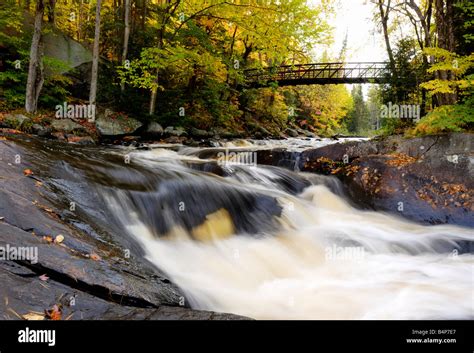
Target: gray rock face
[[154, 129], [107, 125], [432, 176], [59, 46], [67, 126]]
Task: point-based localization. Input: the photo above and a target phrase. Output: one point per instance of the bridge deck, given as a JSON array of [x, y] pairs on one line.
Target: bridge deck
[[325, 73]]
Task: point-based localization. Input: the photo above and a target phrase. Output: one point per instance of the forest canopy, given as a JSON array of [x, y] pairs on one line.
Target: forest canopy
[[182, 63]]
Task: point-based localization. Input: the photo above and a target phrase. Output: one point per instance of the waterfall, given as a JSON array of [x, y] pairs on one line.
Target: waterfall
[[270, 243]]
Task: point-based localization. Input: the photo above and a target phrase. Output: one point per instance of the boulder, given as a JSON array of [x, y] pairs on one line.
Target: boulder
[[292, 132], [177, 132], [59, 46], [15, 121], [264, 132], [58, 135], [199, 133], [175, 140], [41, 130], [221, 133], [154, 129], [67, 126], [110, 124]]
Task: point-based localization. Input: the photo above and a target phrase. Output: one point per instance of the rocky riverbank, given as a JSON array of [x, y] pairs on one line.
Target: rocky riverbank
[[427, 179], [116, 128]]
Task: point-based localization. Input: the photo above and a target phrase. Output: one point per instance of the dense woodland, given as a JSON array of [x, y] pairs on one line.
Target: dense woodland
[[181, 63]]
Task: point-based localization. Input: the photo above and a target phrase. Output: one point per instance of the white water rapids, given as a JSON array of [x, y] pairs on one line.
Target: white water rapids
[[327, 260]]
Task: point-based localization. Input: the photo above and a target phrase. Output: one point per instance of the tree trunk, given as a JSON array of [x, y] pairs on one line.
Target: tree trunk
[[79, 21], [35, 71], [51, 12], [384, 20], [95, 56], [153, 100], [126, 36], [446, 40]]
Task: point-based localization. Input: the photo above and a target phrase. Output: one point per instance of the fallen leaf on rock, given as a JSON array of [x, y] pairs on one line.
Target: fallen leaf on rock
[[59, 239], [33, 316], [43, 278], [38, 184], [48, 238], [54, 313], [95, 257], [27, 172]]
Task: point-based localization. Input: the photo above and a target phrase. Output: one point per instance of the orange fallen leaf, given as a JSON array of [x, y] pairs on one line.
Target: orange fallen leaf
[[54, 313], [28, 172], [95, 257], [48, 238]]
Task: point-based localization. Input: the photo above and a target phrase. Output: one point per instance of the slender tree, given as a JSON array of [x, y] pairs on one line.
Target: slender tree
[[126, 36], [35, 71], [384, 11], [95, 56], [446, 40]]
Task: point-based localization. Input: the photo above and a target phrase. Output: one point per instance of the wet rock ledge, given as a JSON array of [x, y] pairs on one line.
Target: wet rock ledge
[[82, 270]]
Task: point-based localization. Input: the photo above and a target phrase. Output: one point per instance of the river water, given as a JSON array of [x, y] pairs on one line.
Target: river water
[[261, 241], [270, 243]]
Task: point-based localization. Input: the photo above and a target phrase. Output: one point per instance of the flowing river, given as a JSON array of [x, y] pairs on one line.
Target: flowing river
[[271, 243]]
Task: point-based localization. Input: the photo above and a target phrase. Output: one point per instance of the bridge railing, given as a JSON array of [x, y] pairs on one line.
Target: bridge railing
[[327, 72]]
